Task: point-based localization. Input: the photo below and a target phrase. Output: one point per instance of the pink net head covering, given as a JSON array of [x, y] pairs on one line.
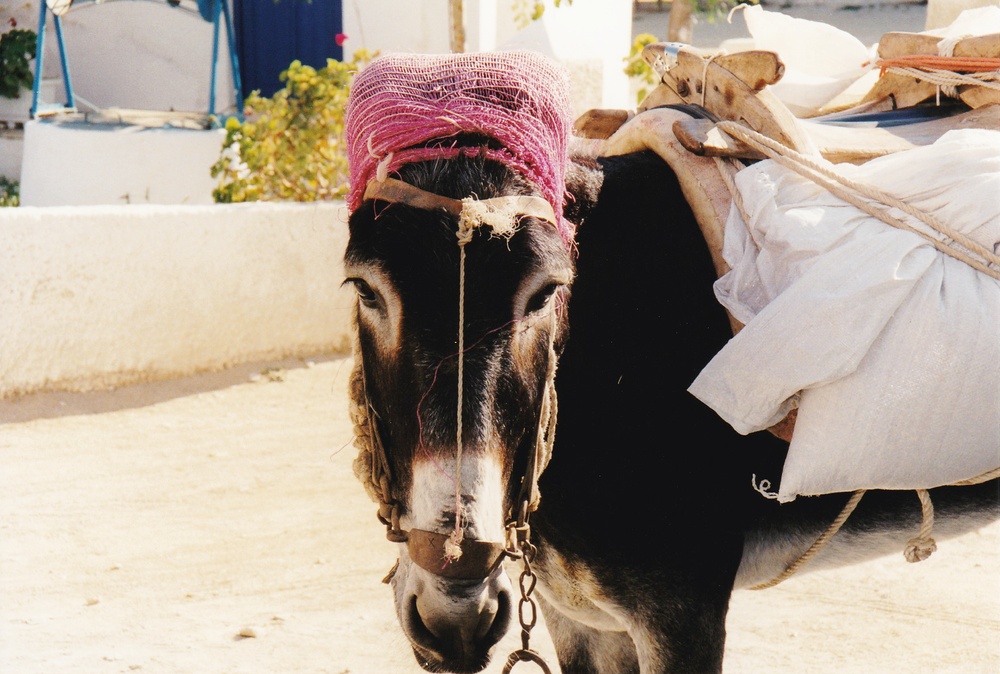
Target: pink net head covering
[[401, 102]]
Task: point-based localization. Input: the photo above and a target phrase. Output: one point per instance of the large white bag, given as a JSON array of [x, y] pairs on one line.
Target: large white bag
[[821, 60], [890, 348]]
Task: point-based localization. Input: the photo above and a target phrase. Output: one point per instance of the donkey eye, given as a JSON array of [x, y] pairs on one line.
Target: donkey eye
[[541, 298], [366, 294]]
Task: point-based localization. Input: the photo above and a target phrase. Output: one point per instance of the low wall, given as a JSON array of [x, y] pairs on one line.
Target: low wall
[[70, 161], [93, 297]]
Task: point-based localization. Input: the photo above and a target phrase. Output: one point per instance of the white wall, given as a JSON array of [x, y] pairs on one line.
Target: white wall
[[418, 26], [75, 163], [593, 38], [11, 150], [105, 296]]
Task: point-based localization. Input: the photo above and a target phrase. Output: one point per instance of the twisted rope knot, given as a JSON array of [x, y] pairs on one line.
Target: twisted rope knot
[[918, 549], [500, 215]]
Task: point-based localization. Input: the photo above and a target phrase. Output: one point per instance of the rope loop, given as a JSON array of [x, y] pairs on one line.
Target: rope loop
[[834, 527], [922, 545], [763, 488]]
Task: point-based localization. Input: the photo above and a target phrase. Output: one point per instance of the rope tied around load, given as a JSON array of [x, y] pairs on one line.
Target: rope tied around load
[[870, 200], [944, 70], [876, 203]]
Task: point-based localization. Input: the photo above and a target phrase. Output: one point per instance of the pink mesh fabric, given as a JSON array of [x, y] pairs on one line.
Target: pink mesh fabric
[[400, 103]]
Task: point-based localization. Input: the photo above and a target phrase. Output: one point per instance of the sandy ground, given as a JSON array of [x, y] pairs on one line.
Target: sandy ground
[[148, 528]]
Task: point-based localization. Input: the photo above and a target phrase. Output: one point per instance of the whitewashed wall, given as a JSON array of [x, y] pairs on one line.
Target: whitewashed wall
[[73, 163], [104, 296]]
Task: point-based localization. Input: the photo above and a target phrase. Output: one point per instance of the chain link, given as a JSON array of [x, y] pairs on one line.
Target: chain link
[[527, 581], [527, 609]]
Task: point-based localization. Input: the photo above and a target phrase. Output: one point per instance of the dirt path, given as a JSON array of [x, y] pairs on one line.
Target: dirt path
[[145, 529]]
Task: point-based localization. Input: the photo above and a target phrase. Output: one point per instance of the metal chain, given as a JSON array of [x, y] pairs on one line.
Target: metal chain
[[527, 609]]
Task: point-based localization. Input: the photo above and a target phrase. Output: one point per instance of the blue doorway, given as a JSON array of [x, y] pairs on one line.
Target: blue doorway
[[270, 34]]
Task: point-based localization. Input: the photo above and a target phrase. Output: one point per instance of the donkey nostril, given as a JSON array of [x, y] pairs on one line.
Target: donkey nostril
[[493, 624], [418, 630]]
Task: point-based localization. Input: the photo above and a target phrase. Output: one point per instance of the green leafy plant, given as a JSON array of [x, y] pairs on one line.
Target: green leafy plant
[[713, 10], [526, 11], [290, 147], [17, 48], [637, 68], [10, 192]]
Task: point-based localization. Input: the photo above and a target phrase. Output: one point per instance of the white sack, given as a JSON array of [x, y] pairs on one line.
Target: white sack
[[894, 345], [821, 61], [971, 22]]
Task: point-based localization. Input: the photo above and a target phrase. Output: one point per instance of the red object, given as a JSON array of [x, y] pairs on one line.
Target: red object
[[407, 108], [340, 39]]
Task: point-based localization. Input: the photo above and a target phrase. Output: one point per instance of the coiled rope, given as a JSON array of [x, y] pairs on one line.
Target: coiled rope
[[944, 70]]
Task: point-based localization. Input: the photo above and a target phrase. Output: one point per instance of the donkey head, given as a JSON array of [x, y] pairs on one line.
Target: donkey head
[[461, 258], [456, 345]]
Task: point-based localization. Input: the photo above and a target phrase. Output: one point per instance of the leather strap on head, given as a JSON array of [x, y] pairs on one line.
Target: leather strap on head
[[399, 192]]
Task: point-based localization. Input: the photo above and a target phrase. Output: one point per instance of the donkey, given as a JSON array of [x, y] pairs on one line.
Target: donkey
[[643, 518]]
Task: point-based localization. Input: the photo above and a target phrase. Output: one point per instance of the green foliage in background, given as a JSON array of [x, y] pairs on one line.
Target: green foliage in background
[[713, 10], [637, 68], [10, 192], [635, 65], [526, 11], [290, 146], [17, 48]]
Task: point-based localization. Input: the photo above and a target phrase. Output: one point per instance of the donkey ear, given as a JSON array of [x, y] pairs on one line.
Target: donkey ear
[[583, 183]]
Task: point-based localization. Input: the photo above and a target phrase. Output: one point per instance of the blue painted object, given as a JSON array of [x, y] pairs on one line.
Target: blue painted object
[[270, 35], [39, 54], [215, 11]]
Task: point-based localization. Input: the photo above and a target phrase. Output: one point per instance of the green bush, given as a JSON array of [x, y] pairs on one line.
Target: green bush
[[17, 48], [10, 192], [526, 11], [637, 68], [290, 147]]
